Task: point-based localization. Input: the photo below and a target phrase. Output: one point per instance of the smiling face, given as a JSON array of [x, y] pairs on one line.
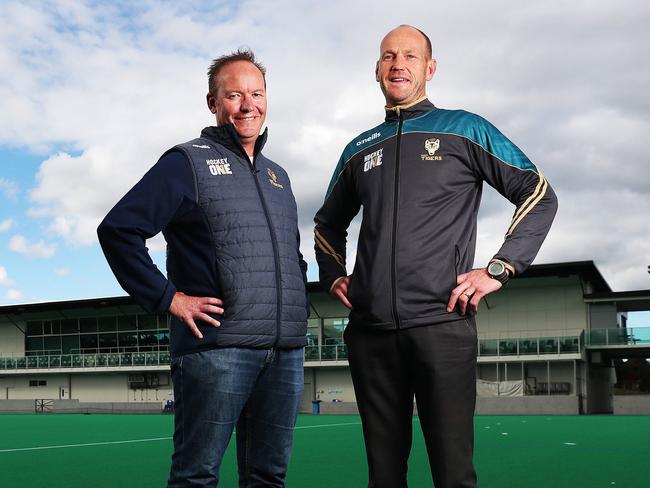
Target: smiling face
[[404, 66], [240, 99]]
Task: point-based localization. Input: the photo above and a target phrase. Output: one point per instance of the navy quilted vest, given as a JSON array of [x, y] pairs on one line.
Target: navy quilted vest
[[253, 227]]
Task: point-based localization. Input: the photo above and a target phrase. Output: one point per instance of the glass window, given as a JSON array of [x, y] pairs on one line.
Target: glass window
[[107, 342], [70, 344], [313, 329], [69, 326], [52, 344], [163, 321], [126, 322], [34, 328], [163, 339], [148, 341], [33, 382], [333, 331], [146, 322], [88, 325], [107, 324], [56, 326], [88, 343], [34, 344], [128, 340]]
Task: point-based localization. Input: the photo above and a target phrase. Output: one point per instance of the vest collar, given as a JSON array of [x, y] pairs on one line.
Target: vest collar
[[227, 136]]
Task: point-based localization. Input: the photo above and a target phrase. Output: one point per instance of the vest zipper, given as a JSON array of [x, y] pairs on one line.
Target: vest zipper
[[276, 253], [393, 255]]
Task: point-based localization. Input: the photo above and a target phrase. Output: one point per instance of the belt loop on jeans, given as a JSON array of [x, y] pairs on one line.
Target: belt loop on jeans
[[270, 354]]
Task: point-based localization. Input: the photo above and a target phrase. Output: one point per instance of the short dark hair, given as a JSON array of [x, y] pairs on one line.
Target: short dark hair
[[426, 38], [240, 54]]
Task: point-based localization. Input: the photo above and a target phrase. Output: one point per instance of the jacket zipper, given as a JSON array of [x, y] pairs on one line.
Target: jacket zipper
[[393, 256], [276, 254]]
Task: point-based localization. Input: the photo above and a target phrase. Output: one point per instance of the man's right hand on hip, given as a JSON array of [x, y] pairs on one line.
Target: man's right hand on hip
[[188, 308]]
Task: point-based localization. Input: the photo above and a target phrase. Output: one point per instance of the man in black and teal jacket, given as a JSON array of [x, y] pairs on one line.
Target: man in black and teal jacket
[[418, 177], [235, 284]]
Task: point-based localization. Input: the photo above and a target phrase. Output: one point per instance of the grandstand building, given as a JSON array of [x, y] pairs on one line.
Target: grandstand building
[[547, 345]]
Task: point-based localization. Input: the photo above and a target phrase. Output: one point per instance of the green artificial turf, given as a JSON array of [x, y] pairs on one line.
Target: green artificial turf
[[511, 452]]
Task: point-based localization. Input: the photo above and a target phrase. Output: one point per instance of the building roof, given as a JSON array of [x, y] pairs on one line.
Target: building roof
[[626, 301], [587, 270]]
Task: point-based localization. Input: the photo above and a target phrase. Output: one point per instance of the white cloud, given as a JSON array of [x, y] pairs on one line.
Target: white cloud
[[19, 244], [580, 113], [9, 189], [6, 224], [4, 277], [13, 295], [62, 271]]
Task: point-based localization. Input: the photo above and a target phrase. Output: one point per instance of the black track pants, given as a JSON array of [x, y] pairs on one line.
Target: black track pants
[[437, 364]]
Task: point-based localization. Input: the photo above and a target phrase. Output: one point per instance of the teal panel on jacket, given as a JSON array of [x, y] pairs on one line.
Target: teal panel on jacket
[[473, 127], [362, 141]]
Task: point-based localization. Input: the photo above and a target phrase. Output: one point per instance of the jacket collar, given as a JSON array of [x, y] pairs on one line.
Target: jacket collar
[[416, 109], [227, 136]]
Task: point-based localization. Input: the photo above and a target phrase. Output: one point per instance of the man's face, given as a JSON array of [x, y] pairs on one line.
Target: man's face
[[240, 99], [403, 67]]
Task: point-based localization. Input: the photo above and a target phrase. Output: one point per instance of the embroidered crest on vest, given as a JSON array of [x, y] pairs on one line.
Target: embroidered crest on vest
[[273, 178]]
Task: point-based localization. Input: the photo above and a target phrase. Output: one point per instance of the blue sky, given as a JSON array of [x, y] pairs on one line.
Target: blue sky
[[91, 93]]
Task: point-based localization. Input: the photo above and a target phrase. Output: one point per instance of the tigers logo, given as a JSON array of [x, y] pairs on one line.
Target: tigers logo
[[273, 178], [431, 146]]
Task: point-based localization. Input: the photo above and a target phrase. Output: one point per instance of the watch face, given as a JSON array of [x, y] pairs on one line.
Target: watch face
[[495, 268]]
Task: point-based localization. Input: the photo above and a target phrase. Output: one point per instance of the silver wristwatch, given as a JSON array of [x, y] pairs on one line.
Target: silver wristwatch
[[498, 271]]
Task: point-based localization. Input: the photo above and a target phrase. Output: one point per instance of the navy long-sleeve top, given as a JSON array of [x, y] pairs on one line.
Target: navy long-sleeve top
[[163, 198]]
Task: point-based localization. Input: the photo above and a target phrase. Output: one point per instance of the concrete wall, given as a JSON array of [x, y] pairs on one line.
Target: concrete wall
[[88, 387], [603, 315], [326, 306], [12, 340], [528, 405], [73, 406], [533, 305], [17, 387], [631, 404], [113, 387], [333, 384]]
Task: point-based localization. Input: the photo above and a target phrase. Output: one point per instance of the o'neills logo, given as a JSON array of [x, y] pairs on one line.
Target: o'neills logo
[[273, 178], [219, 166], [369, 138], [431, 146], [373, 159]]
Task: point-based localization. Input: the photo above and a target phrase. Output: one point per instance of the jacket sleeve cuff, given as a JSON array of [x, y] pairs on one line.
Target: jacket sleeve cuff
[[166, 299], [334, 283]]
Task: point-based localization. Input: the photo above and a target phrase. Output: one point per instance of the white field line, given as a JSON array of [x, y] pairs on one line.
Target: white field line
[[134, 441], [64, 446], [326, 425]]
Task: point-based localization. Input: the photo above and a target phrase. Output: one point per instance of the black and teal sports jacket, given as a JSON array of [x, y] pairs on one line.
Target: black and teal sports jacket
[[418, 177]]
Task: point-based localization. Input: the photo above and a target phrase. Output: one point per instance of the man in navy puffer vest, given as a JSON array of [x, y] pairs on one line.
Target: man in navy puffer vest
[[235, 285]]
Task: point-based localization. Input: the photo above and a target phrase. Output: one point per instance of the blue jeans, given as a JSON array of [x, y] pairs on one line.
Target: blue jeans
[[259, 390]]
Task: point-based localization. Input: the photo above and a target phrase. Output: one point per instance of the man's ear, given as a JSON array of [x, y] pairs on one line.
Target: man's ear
[[377, 71], [432, 64], [212, 103]]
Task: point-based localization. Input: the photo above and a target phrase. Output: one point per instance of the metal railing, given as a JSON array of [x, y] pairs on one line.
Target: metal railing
[[531, 346], [622, 336], [501, 347], [127, 359], [334, 352]]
